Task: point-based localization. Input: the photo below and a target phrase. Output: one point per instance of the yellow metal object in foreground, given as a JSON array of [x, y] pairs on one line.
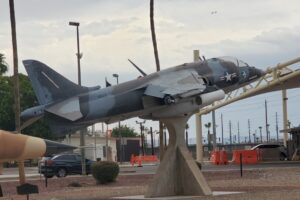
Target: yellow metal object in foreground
[[18, 147]]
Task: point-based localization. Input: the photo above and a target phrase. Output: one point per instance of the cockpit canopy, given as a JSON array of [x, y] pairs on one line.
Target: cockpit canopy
[[238, 63]]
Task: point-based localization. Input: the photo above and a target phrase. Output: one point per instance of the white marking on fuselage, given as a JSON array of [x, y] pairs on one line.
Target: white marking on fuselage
[[228, 77], [50, 80]]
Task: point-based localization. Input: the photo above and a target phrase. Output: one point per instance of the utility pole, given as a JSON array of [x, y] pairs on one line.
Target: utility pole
[[277, 129], [187, 134], [285, 117], [214, 129], [239, 141], [142, 136], [106, 140], [249, 129], [260, 133], [95, 141], [222, 128], [266, 116], [22, 178], [152, 144], [230, 136], [82, 138]]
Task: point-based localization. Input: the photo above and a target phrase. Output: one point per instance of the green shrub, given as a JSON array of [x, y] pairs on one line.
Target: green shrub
[[105, 171]]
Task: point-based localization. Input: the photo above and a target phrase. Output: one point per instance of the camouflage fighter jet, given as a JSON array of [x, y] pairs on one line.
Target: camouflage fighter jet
[[176, 91]]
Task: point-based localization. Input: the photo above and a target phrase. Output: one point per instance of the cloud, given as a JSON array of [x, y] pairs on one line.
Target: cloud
[[107, 26], [267, 48]]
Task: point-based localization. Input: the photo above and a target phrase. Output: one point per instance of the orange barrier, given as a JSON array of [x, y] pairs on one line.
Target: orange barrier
[[140, 159], [248, 156], [219, 158]]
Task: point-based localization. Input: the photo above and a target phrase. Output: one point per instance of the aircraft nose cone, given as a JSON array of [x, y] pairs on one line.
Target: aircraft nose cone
[[255, 73], [260, 72]]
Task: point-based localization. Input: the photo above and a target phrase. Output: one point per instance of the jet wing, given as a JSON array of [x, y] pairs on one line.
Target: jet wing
[[180, 84]]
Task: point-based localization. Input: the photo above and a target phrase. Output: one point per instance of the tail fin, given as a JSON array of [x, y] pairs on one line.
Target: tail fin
[[49, 86]]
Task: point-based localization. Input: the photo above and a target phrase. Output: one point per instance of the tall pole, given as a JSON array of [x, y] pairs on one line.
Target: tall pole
[[222, 128], [186, 138], [260, 133], [22, 178], [249, 130], [106, 140], [239, 137], [214, 129], [95, 141], [285, 118], [82, 138], [277, 129], [152, 144], [266, 116], [230, 135], [142, 150], [198, 122], [153, 35], [119, 126]]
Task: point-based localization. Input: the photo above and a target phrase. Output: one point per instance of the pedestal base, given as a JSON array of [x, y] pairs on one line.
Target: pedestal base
[[178, 173]]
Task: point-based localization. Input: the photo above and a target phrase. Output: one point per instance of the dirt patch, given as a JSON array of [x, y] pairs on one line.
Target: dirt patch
[[257, 184]]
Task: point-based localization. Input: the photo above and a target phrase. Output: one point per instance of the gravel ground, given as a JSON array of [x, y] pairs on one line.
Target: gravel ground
[[256, 184]]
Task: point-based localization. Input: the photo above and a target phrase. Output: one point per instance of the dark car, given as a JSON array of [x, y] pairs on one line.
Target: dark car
[[63, 164], [283, 152]]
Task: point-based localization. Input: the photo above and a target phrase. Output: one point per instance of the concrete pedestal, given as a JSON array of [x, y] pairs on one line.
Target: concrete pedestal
[[178, 173]]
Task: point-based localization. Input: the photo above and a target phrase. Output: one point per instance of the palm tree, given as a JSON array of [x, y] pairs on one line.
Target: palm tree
[[3, 64], [161, 145]]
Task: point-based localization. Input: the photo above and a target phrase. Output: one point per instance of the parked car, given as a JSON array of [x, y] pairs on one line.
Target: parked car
[[62, 165], [283, 152]]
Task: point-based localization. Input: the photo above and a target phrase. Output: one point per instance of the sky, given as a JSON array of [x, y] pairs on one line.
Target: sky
[[262, 33]]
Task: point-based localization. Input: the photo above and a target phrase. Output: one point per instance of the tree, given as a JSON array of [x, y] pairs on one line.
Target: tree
[[28, 99], [153, 36], [124, 131], [3, 65]]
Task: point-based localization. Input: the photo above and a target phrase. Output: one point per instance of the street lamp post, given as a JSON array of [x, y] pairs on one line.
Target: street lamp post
[[79, 56], [142, 135], [119, 124]]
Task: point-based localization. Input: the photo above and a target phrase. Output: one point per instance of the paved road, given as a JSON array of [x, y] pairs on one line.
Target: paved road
[[151, 169], [32, 172]]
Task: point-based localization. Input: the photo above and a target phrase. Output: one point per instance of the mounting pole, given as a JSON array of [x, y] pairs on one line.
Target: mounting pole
[[198, 122]]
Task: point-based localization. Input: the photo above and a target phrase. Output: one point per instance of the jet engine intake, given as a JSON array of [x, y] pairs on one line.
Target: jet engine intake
[[209, 98]]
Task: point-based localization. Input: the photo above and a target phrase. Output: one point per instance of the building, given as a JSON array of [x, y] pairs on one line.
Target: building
[[95, 145]]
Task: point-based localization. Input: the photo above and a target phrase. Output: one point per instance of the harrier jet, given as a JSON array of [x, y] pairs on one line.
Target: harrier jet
[[176, 91]]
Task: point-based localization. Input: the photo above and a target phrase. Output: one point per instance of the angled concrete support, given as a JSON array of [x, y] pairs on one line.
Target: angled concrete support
[[178, 173]]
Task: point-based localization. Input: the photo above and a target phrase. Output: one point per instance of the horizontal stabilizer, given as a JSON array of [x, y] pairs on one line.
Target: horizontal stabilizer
[[68, 109]]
